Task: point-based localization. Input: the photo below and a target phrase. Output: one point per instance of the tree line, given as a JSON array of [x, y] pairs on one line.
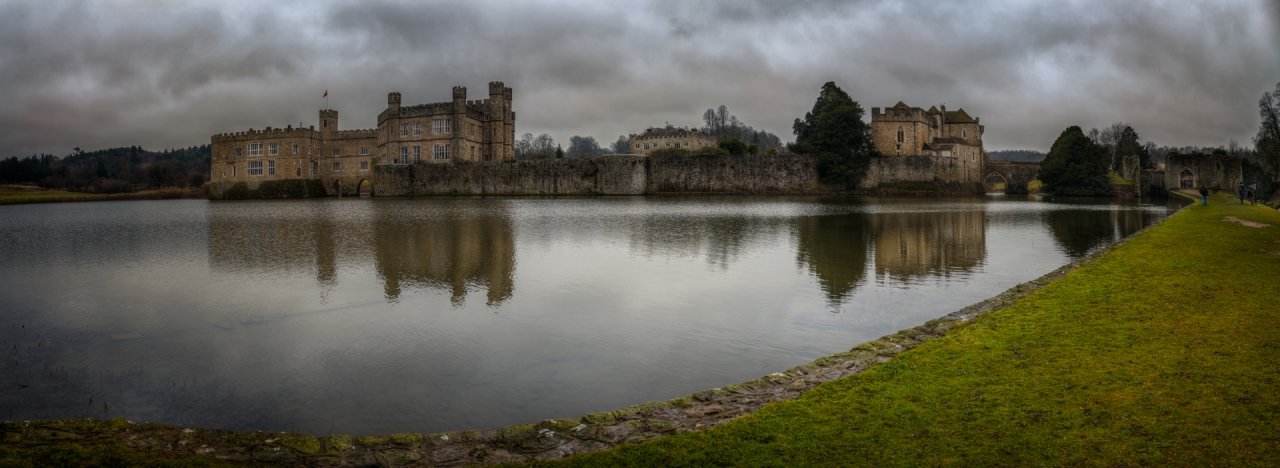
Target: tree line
[[112, 170]]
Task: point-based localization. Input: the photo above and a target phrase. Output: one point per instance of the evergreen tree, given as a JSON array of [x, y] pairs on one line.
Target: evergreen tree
[[1076, 166], [835, 135]]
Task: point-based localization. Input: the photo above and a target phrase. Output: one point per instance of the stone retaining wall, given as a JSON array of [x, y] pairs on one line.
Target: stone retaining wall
[[546, 440]]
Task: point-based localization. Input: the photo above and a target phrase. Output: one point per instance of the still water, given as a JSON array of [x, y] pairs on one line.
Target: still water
[[367, 316]]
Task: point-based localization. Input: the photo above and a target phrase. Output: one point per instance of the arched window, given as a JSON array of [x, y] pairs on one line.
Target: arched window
[[900, 135], [964, 134]]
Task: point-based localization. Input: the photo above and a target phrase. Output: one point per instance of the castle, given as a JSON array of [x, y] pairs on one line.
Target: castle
[[342, 160], [655, 139], [911, 131]]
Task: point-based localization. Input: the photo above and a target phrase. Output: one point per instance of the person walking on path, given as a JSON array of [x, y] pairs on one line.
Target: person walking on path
[[1242, 192], [1204, 196], [1253, 195]]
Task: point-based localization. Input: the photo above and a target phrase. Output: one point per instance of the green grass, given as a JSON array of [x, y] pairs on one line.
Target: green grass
[[104, 455], [10, 196], [1164, 352], [1035, 185], [1117, 180]]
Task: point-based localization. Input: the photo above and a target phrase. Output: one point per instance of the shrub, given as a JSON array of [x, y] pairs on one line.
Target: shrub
[[734, 146]]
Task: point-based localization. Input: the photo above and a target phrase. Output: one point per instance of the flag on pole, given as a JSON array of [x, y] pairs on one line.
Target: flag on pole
[[326, 93]]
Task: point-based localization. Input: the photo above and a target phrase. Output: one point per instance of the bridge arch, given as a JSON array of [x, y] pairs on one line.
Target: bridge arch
[[995, 177], [1017, 175]]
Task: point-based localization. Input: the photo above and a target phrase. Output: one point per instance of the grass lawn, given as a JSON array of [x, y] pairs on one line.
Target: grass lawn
[[20, 194], [1164, 352]]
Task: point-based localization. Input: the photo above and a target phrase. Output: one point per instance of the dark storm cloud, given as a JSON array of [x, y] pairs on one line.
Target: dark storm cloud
[[98, 74]]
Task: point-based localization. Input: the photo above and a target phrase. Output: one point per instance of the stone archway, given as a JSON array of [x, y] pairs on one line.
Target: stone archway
[[995, 182], [1017, 175], [365, 188], [1186, 180], [337, 187]]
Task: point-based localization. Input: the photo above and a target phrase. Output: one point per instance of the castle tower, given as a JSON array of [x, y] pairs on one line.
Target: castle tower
[[459, 114], [328, 120]]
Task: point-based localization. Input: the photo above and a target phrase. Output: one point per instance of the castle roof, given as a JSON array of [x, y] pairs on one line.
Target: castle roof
[[933, 110], [959, 116], [900, 104]]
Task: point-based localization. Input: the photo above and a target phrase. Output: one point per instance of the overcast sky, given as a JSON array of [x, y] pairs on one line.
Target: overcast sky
[[163, 74]]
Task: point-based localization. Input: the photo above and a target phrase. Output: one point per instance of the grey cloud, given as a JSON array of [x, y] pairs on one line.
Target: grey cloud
[[101, 74]]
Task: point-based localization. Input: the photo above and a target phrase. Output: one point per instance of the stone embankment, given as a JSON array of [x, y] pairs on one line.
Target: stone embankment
[[551, 439]]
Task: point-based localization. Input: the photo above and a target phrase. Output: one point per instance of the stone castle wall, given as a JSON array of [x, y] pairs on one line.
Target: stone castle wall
[[613, 175], [1215, 171], [733, 174], [637, 175]]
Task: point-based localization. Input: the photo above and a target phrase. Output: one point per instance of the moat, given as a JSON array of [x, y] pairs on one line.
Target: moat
[[367, 316]]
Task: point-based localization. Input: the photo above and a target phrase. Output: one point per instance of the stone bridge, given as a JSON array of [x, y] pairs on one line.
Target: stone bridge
[[1016, 175]]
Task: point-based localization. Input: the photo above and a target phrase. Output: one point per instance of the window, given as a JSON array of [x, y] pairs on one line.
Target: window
[[364, 150], [324, 123], [646, 146], [299, 172], [964, 134], [473, 152], [337, 152], [255, 168], [442, 151], [233, 169], [637, 146], [472, 129], [404, 155], [900, 135], [404, 129], [337, 165], [686, 144], [364, 165], [273, 149], [440, 126], [295, 149], [417, 154], [271, 167], [417, 128], [237, 154], [255, 149]]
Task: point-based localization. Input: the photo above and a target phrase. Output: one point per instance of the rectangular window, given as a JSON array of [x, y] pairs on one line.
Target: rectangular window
[[417, 128], [255, 168], [273, 149], [237, 154], [417, 153], [233, 170], [337, 165], [255, 149], [299, 172], [440, 125], [364, 150], [441, 151], [686, 143], [364, 165], [337, 152], [404, 155], [295, 149], [646, 146], [271, 167], [404, 129]]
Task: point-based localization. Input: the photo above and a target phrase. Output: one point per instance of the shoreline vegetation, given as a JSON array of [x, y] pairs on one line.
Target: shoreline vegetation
[[25, 194], [1160, 349]]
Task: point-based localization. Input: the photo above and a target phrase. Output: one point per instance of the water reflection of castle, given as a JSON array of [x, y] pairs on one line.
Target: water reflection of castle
[[906, 245], [412, 247]]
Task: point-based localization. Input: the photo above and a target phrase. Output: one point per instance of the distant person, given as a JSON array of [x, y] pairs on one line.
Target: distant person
[[1253, 195], [1242, 193], [1204, 196]]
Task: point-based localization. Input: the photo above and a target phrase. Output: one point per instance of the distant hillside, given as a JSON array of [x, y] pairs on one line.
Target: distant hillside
[[1017, 156], [110, 170]]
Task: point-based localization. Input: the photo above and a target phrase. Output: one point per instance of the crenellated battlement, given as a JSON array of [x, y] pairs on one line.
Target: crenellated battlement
[[353, 134], [423, 110], [288, 132]]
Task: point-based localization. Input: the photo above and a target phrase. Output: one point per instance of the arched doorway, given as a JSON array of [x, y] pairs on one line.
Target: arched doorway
[[365, 188], [995, 183], [1186, 180], [337, 187]]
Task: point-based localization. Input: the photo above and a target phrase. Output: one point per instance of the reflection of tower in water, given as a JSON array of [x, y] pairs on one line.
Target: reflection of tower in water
[[446, 251], [930, 243]]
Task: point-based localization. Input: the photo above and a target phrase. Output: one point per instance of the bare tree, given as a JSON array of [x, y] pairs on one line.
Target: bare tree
[[1267, 142]]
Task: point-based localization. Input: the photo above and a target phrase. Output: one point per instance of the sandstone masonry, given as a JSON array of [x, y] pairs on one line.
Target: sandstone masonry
[[342, 160]]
